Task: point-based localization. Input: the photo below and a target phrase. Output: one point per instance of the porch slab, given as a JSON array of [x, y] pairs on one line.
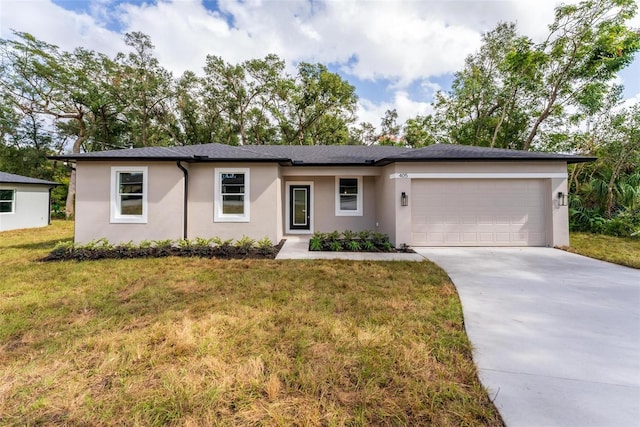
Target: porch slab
[[297, 247]]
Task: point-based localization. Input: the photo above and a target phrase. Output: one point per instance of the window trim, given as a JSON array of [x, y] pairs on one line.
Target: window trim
[[13, 201], [218, 216], [359, 197], [115, 216]]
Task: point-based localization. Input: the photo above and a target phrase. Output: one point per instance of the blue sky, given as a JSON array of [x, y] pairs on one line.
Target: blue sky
[[396, 53]]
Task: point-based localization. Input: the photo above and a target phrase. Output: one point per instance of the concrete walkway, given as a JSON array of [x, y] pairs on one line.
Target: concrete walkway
[[556, 335], [297, 247]]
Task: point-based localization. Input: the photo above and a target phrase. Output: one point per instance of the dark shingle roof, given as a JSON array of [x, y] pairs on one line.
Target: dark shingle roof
[[330, 154], [187, 152], [447, 152], [9, 178], [322, 154]]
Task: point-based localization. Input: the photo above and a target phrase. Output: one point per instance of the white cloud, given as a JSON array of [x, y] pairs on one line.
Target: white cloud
[[58, 26], [406, 108], [629, 102], [398, 42]]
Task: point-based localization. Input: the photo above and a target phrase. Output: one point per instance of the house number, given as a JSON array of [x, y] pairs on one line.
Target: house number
[[403, 175]]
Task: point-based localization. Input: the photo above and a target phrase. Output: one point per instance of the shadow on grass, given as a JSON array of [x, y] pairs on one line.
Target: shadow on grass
[[47, 244]]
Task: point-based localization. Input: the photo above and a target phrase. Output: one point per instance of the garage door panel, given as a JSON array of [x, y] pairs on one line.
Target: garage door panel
[[435, 237], [483, 212]]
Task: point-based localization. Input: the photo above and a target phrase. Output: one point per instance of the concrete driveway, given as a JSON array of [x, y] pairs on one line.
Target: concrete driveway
[[556, 335]]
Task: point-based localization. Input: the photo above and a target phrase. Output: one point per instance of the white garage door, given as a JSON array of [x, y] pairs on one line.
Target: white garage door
[[480, 212]]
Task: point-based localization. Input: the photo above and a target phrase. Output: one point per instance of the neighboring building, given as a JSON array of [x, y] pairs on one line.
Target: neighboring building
[[441, 195], [24, 202]]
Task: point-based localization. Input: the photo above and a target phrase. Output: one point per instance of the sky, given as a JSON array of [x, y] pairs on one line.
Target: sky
[[397, 54]]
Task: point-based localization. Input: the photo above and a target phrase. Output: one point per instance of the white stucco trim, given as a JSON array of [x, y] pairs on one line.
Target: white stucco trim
[[477, 175], [115, 216], [12, 201], [359, 197], [288, 207], [218, 215]]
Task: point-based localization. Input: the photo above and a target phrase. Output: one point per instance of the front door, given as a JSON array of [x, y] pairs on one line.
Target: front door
[[299, 207]]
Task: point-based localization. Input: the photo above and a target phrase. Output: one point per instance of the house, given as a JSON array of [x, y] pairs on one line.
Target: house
[[24, 202], [440, 195]]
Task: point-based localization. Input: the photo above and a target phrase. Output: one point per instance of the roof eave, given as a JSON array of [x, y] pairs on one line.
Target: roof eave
[[569, 160], [47, 184], [316, 164], [189, 159]]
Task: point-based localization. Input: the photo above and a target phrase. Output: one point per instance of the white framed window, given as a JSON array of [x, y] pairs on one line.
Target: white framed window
[[129, 194], [7, 201], [348, 196], [231, 195]]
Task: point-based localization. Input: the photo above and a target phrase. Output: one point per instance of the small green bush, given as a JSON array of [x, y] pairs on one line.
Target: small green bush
[[350, 241], [335, 245], [315, 244], [353, 245], [245, 244], [199, 247]]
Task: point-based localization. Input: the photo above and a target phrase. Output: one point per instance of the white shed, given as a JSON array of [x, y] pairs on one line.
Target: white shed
[[24, 202]]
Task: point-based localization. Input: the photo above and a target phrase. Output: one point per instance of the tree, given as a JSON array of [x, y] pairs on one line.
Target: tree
[[420, 131], [390, 129], [144, 90], [243, 96], [587, 45], [316, 107], [38, 79], [512, 91], [363, 134], [611, 183]]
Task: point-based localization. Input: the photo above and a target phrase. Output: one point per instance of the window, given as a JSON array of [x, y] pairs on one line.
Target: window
[[129, 194], [7, 201], [231, 195], [349, 196]]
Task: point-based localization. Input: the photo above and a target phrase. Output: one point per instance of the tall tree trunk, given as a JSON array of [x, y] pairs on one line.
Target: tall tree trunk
[[69, 208], [495, 131], [534, 130], [612, 182], [71, 194]]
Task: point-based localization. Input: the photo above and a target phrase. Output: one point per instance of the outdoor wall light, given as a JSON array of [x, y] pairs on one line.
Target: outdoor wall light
[[562, 198], [404, 199]]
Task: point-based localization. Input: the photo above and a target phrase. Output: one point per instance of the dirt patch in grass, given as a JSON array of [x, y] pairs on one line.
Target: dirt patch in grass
[[191, 341], [618, 250]]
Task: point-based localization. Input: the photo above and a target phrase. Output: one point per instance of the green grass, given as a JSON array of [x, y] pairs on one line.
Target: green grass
[[186, 341], [618, 250]]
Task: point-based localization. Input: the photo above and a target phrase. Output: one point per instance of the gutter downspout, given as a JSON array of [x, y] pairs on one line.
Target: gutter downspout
[[49, 218], [186, 198]]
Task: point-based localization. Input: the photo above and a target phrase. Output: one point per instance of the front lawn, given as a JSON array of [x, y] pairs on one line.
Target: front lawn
[[192, 341], [618, 250]]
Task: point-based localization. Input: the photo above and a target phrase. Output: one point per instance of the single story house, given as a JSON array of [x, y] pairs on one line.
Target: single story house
[[24, 202], [440, 195]]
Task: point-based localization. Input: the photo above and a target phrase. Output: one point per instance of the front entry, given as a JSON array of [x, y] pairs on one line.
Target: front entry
[[300, 207]]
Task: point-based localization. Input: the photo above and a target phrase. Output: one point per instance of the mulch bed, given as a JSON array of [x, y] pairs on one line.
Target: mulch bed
[[118, 252]]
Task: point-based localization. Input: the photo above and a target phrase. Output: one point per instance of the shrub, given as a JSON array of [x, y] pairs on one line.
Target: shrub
[[364, 235], [619, 227], [348, 234], [335, 245], [265, 245], [315, 244], [351, 241], [368, 246], [245, 244], [102, 249], [591, 220], [353, 245]]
